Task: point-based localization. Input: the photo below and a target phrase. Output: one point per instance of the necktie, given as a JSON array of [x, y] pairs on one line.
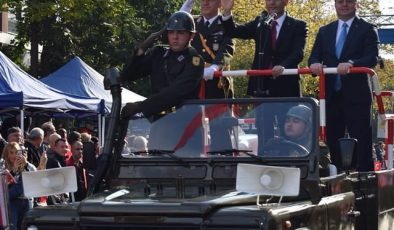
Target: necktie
[[273, 34], [338, 51], [207, 24]]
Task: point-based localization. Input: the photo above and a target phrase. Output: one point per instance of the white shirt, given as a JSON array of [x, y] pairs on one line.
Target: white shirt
[[279, 23], [210, 20], [340, 23]]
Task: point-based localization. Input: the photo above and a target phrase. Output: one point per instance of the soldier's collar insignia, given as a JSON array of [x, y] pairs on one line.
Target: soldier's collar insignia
[[196, 61], [180, 58], [166, 53]]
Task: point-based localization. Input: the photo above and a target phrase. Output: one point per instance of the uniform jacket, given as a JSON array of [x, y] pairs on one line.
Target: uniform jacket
[[221, 45], [174, 76], [362, 50], [288, 52]]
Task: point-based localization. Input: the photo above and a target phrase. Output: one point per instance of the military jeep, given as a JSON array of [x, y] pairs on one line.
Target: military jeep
[[185, 173]]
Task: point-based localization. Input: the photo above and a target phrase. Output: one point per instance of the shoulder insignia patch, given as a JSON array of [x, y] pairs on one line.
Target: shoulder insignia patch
[[196, 61]]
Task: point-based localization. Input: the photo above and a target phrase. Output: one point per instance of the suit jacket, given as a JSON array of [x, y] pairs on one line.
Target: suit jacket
[[361, 46], [221, 45], [288, 52]]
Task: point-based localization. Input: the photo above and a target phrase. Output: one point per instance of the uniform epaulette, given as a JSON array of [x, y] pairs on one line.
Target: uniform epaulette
[[193, 51]]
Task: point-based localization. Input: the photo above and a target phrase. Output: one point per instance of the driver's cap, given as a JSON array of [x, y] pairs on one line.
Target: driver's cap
[[301, 112]]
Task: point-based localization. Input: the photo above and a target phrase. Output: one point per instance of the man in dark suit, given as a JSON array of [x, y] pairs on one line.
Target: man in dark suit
[[215, 47], [285, 49], [345, 43], [279, 44]]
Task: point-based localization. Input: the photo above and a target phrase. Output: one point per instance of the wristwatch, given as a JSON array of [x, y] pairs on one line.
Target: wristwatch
[[351, 62]]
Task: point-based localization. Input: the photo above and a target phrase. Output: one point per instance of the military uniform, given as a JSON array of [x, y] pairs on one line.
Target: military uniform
[[222, 49], [174, 76]]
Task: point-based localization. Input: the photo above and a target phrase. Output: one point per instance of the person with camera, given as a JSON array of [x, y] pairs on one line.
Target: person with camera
[[15, 159]]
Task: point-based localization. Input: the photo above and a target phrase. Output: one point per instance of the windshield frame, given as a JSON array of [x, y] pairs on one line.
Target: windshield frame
[[310, 101]]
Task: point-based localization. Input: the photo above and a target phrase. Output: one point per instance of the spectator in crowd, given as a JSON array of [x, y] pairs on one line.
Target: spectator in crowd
[[129, 142], [49, 129], [74, 136], [380, 152], [57, 159], [140, 144], [3, 142], [63, 134], [16, 163], [51, 140], [75, 160], [96, 145], [14, 134], [36, 151], [89, 128], [89, 155], [347, 42]]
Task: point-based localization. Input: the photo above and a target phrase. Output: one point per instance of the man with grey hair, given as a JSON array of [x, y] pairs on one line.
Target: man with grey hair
[[49, 129], [35, 148]]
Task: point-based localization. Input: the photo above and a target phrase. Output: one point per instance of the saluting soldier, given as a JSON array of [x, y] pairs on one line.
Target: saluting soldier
[[175, 71], [214, 46]]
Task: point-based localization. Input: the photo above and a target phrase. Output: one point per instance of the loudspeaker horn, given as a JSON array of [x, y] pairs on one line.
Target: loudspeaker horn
[[49, 182], [268, 180]]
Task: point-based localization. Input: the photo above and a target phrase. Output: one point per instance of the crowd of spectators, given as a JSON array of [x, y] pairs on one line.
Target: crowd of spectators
[[42, 148]]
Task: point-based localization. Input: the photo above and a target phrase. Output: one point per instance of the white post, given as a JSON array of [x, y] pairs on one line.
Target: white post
[[22, 123], [390, 156], [99, 128], [103, 132]]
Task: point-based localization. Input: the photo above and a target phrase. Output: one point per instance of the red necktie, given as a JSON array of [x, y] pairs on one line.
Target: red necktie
[[273, 34]]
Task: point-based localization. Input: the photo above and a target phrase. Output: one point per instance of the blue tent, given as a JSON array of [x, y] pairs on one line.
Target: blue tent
[[77, 77], [386, 35], [19, 89]]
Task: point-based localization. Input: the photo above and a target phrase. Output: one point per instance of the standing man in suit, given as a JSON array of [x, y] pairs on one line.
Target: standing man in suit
[[279, 43], [215, 47], [348, 42]]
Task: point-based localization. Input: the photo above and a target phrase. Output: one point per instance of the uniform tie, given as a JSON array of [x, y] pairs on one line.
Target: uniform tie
[[338, 51], [207, 24], [273, 34]]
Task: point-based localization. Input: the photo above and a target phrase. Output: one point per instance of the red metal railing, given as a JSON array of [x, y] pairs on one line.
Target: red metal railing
[[389, 138], [322, 96]]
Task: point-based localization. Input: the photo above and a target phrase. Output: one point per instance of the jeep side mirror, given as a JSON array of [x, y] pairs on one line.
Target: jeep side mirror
[[347, 148]]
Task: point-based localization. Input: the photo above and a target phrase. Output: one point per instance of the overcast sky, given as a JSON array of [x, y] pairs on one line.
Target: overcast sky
[[387, 6]]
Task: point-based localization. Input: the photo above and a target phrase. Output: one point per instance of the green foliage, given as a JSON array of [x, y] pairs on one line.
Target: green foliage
[[104, 32]]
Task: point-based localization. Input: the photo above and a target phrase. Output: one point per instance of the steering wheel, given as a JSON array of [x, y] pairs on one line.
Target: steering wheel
[[284, 148]]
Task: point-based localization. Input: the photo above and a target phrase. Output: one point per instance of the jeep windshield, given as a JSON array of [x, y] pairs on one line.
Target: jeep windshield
[[259, 128]]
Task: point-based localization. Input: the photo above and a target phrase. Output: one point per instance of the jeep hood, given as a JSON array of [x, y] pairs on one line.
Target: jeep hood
[[200, 206]]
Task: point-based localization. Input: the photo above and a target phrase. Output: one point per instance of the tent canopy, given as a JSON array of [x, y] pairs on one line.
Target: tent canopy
[[77, 77], [19, 89]]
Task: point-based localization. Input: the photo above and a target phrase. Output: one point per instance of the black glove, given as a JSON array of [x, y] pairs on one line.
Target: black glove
[[130, 109]]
